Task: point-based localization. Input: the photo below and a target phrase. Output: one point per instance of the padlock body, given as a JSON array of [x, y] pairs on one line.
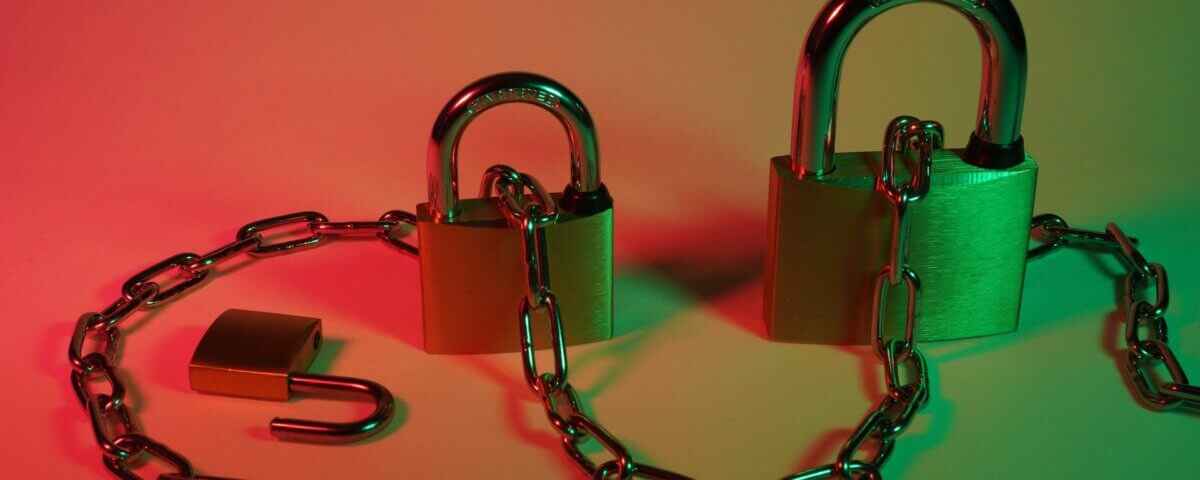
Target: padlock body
[[251, 354], [828, 239], [473, 279]]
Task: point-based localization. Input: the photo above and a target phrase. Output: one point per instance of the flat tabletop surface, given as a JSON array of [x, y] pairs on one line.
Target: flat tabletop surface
[[133, 132]]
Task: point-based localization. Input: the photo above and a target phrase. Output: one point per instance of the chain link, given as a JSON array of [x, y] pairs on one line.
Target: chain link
[[900, 356], [1144, 354], [563, 409], [122, 442]]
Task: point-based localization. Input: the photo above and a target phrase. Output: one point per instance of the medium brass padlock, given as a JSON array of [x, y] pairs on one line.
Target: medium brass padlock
[[828, 228], [472, 269]]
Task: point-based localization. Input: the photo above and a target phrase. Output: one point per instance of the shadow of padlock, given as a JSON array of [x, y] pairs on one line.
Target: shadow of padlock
[[828, 227], [472, 267]]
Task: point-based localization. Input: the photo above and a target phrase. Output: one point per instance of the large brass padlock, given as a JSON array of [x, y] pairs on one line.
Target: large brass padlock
[[472, 269], [829, 229]]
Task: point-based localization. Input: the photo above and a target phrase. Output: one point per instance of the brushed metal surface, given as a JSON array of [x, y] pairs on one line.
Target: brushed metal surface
[[970, 236], [472, 279], [250, 354]]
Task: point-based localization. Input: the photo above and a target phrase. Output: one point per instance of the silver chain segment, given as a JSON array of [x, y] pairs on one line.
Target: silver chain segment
[[1144, 353], [125, 448], [121, 440], [900, 356], [563, 409]]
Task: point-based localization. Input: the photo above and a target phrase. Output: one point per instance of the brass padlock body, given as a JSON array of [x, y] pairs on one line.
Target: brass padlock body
[[828, 238], [250, 354], [473, 278]]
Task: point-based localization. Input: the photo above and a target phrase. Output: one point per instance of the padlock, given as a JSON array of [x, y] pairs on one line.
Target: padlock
[[266, 356], [828, 229], [472, 268]]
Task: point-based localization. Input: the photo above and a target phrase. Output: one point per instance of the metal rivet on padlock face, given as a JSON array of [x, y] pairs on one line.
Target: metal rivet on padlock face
[[266, 356], [829, 228], [472, 273]]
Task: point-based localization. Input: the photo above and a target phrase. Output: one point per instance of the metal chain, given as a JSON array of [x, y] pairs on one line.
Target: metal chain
[[125, 448], [900, 356], [563, 408], [121, 440], [1144, 353]]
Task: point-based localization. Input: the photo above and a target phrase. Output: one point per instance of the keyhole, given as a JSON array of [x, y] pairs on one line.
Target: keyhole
[[317, 340]]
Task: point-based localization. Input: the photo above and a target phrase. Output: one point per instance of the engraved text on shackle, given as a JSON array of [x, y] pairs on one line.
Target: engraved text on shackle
[[511, 94]]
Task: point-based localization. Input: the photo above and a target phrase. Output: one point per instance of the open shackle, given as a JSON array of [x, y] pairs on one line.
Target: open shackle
[[442, 154], [996, 142], [335, 432], [265, 355]]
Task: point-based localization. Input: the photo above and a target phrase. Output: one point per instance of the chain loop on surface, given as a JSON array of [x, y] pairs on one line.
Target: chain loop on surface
[[1144, 353], [115, 429]]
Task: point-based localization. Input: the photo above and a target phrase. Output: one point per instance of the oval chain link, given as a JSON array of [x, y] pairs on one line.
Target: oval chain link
[[124, 446], [1144, 353]]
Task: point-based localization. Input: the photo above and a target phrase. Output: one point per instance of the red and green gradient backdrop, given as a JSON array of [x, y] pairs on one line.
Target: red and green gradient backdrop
[[133, 131]]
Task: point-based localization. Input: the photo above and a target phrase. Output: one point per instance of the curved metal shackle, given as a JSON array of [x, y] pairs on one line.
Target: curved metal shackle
[[442, 155], [335, 432], [996, 142]]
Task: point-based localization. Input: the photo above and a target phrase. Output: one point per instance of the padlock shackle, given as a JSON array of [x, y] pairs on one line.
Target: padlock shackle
[[996, 142], [442, 155], [335, 432]]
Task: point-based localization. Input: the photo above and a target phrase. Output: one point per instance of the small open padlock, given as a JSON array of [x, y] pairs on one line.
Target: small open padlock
[[472, 272], [266, 356], [828, 227]]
